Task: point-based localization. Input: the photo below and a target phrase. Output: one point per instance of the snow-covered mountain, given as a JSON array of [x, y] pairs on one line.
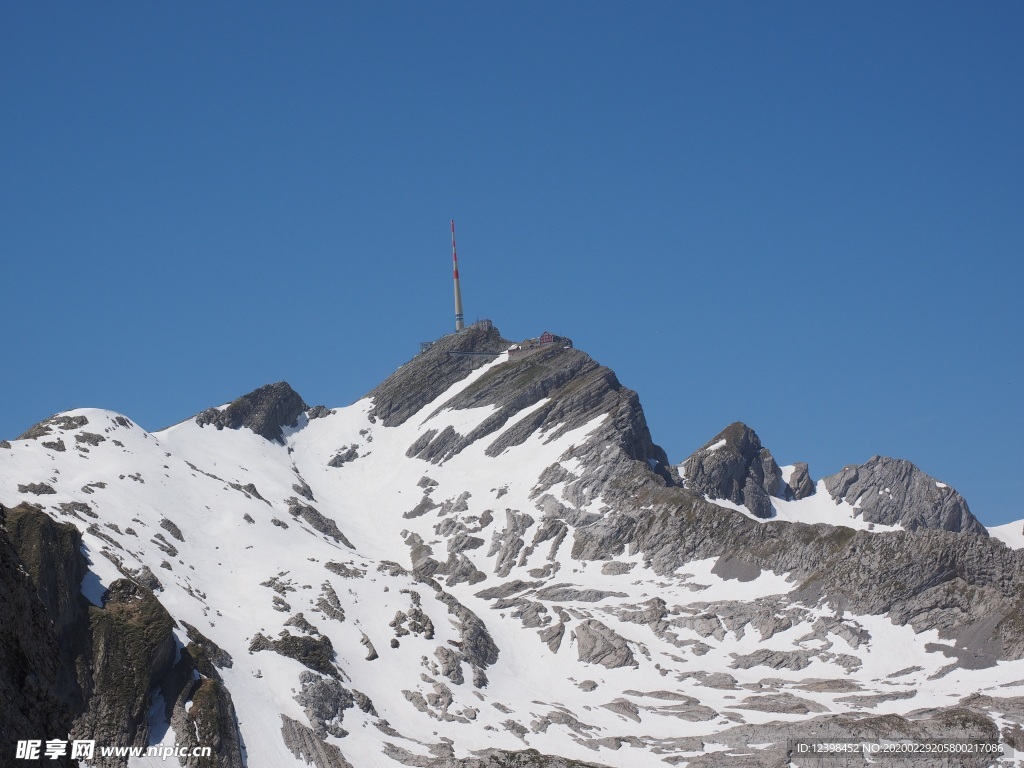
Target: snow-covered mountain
[[488, 562]]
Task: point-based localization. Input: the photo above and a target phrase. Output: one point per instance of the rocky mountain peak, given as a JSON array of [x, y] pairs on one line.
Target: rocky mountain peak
[[265, 411], [491, 550], [734, 465], [558, 387], [445, 362], [895, 492]]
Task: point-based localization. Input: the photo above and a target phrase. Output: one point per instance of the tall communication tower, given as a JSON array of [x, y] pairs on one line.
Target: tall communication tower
[[459, 324]]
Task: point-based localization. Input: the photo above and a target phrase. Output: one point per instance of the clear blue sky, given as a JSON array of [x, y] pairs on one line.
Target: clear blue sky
[[805, 216]]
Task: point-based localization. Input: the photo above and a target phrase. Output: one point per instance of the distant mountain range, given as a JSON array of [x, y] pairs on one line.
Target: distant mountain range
[[484, 563]]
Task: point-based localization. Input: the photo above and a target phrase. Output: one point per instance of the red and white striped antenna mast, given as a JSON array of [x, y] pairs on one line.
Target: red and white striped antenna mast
[[459, 324]]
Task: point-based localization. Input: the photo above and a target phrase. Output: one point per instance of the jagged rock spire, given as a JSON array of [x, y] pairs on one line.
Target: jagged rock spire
[[733, 465], [265, 411]]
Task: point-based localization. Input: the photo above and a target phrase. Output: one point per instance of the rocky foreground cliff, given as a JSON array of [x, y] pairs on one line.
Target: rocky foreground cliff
[[487, 562]]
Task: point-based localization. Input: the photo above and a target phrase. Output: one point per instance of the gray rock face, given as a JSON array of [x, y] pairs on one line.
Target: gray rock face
[[199, 706], [552, 636], [507, 543], [313, 653], [577, 391], [800, 484], [30, 699], [966, 587], [51, 553], [317, 521], [39, 489], [475, 645], [325, 701], [777, 736], [733, 465], [132, 649], [344, 456], [599, 644], [46, 426], [895, 492], [489, 758], [431, 372], [782, 703], [265, 411], [305, 744]]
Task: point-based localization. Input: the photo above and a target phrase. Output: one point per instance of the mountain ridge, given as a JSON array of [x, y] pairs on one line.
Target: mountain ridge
[[557, 566]]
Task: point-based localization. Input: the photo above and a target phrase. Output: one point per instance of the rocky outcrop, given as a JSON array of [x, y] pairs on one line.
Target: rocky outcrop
[[199, 706], [430, 373], [599, 644], [800, 485], [317, 521], [325, 701], [39, 489], [576, 392], [31, 703], [132, 649], [46, 426], [265, 411], [777, 738], [51, 554], [966, 587], [94, 667], [735, 466], [313, 653], [895, 492], [305, 744], [443, 757], [475, 645]]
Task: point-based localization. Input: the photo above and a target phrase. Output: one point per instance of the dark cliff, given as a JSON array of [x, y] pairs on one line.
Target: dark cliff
[[265, 411], [31, 703]]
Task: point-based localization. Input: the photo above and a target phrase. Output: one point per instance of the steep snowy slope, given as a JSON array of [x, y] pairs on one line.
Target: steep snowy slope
[[490, 553]]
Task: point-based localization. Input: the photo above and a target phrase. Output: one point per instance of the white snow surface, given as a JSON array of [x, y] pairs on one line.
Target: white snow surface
[[1011, 534], [716, 445], [217, 580], [819, 507]]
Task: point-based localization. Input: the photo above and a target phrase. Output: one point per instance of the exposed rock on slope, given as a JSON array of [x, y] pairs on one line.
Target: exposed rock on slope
[[199, 705], [104, 662], [733, 465], [51, 554], [575, 390], [558, 389], [966, 586], [265, 411], [132, 649], [800, 485], [895, 492], [57, 421], [30, 701], [430, 373], [488, 758]]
